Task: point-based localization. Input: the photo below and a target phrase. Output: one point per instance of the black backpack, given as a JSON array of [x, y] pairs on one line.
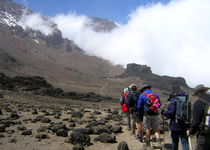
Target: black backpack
[[183, 109], [131, 100], [205, 124]]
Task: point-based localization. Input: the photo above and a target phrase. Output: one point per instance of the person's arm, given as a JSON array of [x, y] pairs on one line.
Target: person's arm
[[140, 102], [170, 112]]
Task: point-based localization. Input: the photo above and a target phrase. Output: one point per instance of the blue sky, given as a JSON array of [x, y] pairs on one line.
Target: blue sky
[[114, 10]]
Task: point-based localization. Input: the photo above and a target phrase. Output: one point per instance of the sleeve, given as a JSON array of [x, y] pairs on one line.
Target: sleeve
[[170, 112], [140, 102], [197, 118]]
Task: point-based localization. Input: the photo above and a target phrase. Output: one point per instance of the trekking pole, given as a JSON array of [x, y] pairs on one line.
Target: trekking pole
[[190, 144]]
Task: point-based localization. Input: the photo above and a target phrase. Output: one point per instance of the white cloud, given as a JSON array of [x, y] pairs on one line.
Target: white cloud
[[173, 39], [36, 22]]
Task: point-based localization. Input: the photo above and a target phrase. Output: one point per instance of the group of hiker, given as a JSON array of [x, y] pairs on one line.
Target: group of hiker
[[142, 111]]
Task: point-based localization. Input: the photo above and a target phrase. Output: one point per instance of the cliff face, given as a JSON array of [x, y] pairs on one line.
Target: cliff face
[[145, 73]]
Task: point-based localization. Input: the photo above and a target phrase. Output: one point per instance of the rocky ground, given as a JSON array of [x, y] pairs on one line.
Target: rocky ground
[[41, 122]]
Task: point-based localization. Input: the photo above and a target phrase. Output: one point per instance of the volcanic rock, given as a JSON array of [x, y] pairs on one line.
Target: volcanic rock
[[41, 136], [77, 138], [116, 129], [106, 138], [26, 132], [2, 127], [123, 146]]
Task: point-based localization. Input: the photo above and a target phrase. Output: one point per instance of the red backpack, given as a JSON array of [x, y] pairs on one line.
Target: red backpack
[[152, 104]]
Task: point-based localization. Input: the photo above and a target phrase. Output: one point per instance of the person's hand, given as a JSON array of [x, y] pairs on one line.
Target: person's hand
[[188, 132]]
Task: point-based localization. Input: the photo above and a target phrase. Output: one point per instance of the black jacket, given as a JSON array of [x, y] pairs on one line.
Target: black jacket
[[198, 113]]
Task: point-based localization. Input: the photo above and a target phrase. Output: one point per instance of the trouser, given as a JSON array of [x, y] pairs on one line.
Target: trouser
[[130, 121], [203, 142], [175, 139]]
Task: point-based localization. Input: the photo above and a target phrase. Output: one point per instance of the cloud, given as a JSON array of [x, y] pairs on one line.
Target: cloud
[[173, 39], [36, 22]]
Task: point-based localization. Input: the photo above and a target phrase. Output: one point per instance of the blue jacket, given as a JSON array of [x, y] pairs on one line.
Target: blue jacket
[[170, 113], [143, 98]]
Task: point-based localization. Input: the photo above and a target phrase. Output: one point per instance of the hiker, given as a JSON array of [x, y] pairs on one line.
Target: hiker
[[150, 102], [137, 115], [177, 126], [201, 118], [125, 108]]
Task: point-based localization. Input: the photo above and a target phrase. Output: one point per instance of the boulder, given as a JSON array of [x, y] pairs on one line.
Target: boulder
[[41, 136], [86, 131], [106, 138], [62, 132], [2, 127], [77, 138], [26, 132], [122, 146], [116, 129], [77, 114]]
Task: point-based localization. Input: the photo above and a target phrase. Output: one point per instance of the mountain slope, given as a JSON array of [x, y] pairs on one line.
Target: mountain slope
[[28, 52]]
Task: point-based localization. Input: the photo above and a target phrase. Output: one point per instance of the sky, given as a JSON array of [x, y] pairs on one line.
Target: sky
[[114, 10], [172, 37]]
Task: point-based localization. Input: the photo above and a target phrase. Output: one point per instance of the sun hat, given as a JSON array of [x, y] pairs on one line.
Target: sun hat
[[200, 88], [133, 87], [145, 86]]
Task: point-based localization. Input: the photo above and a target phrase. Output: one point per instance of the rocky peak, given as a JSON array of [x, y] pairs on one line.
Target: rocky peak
[[101, 25], [145, 73], [135, 69], [14, 9]]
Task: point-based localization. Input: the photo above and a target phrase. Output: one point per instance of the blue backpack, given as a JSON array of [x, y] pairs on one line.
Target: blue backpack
[[183, 109]]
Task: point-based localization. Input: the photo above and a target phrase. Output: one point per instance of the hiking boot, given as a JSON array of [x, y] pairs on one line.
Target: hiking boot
[[139, 138], [158, 144], [147, 145]]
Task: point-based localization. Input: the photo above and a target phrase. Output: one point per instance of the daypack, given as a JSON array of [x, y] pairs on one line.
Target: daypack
[[123, 102], [183, 109], [152, 104], [205, 124], [132, 99]]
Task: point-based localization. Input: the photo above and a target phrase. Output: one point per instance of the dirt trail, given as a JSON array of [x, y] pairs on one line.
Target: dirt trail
[[24, 104]]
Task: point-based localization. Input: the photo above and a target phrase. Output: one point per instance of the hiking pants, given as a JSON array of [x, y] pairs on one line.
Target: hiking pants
[[203, 142], [130, 121], [175, 139]]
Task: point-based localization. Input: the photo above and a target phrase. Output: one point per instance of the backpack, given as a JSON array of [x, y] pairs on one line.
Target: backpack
[[123, 102], [205, 124], [152, 104], [183, 109], [132, 100]]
